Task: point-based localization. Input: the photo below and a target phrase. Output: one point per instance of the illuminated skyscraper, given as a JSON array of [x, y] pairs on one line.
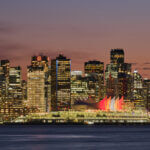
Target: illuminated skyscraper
[[79, 87], [146, 94], [24, 89], [40, 62], [95, 71], [15, 85], [38, 83], [10, 91], [111, 78], [120, 73], [36, 90], [138, 91], [124, 80], [4, 79], [117, 56], [61, 83], [94, 67]]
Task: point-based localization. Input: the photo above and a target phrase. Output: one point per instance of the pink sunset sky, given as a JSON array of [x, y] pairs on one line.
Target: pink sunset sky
[[80, 29]]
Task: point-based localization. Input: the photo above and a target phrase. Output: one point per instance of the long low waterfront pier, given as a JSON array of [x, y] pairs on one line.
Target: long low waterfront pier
[[86, 117]]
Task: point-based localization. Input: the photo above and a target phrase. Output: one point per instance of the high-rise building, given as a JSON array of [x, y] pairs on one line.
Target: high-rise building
[[4, 79], [79, 87], [117, 56], [94, 90], [124, 80], [38, 83], [138, 91], [146, 94], [111, 80], [48, 89], [118, 75], [94, 67], [15, 85], [36, 90], [40, 61], [61, 83], [10, 91], [24, 90], [94, 70]]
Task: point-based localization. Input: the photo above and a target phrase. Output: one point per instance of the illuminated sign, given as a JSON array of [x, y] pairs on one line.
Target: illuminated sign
[[39, 58]]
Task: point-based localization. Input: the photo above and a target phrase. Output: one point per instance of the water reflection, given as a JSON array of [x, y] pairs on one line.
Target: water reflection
[[74, 137]]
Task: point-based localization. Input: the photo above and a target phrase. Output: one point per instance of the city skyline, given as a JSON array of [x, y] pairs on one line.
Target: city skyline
[[74, 74], [55, 88], [73, 68], [81, 30]]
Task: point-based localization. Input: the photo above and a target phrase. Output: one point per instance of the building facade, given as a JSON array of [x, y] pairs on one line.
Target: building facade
[[117, 56], [4, 79], [38, 84], [111, 80], [118, 75], [15, 85], [138, 91], [79, 87], [94, 72], [61, 83], [36, 90]]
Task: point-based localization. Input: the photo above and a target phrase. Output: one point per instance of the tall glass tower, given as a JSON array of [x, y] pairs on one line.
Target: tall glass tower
[[61, 83]]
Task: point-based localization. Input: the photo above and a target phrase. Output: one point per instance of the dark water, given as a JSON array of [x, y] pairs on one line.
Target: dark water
[[45, 137]]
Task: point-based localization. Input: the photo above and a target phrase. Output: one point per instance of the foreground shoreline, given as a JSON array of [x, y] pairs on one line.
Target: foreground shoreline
[[78, 124]]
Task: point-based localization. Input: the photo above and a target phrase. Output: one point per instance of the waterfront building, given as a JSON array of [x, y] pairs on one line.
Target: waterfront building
[[38, 83], [15, 86], [138, 91], [4, 79], [94, 71], [48, 89], [36, 90], [146, 85], [24, 90], [93, 87], [79, 87], [10, 91], [111, 80], [124, 80], [118, 75], [61, 83]]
